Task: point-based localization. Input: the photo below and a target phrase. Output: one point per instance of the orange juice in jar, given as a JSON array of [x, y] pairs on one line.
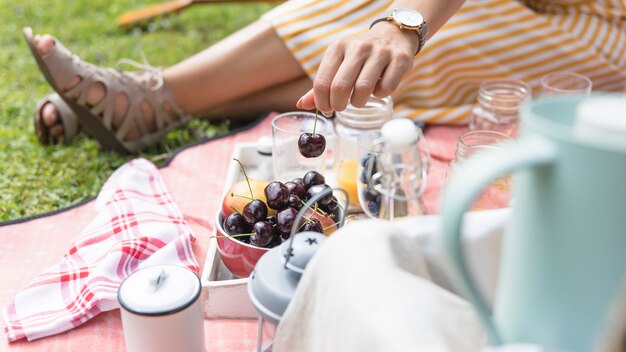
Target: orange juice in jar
[[350, 125], [347, 179]]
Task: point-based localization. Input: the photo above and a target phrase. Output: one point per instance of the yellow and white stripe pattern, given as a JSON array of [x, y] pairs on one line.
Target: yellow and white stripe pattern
[[485, 39]]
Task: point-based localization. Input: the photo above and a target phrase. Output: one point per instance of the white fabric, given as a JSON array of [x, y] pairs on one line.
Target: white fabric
[[369, 289]]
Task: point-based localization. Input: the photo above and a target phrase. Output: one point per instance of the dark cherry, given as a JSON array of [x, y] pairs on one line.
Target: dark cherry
[[295, 202], [271, 220], [277, 195], [331, 206], [236, 224], [313, 225], [295, 189], [262, 235], [311, 145], [285, 219], [276, 240], [255, 211], [313, 190], [374, 207], [285, 235], [299, 181], [369, 194], [364, 163], [313, 178]]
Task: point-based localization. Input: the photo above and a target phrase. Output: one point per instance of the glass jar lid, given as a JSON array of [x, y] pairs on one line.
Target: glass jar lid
[[373, 114]]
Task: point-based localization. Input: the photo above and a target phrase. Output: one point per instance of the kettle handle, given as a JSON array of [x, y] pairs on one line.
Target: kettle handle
[[477, 173]]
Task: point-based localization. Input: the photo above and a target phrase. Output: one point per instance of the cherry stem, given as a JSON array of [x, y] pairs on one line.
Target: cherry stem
[[243, 170], [233, 208], [236, 195], [315, 121], [337, 223], [316, 210]]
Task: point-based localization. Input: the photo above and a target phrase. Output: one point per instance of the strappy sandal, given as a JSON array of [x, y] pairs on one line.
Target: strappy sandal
[[68, 119], [60, 66]]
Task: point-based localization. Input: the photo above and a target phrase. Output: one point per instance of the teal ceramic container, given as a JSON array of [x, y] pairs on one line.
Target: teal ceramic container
[[564, 253]]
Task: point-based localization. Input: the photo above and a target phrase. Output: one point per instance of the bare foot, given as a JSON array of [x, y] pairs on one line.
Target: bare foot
[[97, 92]]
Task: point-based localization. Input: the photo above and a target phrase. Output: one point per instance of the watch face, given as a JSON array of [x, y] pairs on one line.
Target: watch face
[[408, 17]]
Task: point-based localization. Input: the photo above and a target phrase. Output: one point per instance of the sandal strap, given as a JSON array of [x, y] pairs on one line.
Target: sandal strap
[[136, 91], [64, 65]]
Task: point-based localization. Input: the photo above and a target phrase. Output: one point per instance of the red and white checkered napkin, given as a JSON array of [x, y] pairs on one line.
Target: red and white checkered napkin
[[138, 224]]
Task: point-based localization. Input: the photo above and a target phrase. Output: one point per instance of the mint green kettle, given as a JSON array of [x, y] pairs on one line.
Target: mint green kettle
[[564, 253]]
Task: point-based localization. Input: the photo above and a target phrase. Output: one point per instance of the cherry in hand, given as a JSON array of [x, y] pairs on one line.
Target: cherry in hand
[[312, 145]]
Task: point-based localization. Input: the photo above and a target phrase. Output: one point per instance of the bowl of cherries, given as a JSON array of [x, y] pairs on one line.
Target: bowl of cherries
[[252, 223]]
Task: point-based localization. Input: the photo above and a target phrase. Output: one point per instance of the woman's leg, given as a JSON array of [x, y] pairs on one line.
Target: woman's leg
[[281, 98], [242, 64], [246, 62]]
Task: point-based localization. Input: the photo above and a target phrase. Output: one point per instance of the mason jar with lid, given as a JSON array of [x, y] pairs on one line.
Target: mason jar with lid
[[350, 125]]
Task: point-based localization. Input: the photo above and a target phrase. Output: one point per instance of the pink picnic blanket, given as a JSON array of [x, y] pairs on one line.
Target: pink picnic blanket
[[195, 177]]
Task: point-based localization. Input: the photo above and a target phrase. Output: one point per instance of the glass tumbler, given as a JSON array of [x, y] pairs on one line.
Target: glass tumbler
[[564, 82], [498, 194], [287, 161], [498, 106]]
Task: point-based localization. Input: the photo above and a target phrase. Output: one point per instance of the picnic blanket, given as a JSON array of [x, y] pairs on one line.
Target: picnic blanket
[[195, 177]]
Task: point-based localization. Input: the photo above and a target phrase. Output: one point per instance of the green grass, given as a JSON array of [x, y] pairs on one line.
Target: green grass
[[36, 179]]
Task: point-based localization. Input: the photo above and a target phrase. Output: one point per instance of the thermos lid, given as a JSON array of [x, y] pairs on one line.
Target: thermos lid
[[399, 132], [271, 284], [304, 246], [159, 290]]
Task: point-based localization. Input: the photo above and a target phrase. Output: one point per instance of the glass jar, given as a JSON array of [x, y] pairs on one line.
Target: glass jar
[[498, 106], [350, 125], [498, 194], [393, 171]]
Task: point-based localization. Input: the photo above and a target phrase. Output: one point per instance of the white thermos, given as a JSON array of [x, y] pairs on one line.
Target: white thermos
[[162, 310]]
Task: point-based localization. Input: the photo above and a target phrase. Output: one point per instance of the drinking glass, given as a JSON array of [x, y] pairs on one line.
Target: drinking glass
[[565, 83], [498, 194], [287, 161]]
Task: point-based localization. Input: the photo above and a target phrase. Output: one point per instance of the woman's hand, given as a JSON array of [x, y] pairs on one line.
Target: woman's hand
[[354, 68]]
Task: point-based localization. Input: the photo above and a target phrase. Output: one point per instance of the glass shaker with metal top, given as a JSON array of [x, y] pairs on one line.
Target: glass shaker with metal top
[[350, 125]]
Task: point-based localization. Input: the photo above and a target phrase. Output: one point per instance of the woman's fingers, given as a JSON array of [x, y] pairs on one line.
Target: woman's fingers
[[344, 80], [307, 102], [401, 62], [372, 70], [354, 68], [329, 66]]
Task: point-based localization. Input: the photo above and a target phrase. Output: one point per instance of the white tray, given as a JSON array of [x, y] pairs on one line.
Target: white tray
[[224, 295]]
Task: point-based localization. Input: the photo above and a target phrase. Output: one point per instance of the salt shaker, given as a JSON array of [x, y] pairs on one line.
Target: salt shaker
[[162, 310]]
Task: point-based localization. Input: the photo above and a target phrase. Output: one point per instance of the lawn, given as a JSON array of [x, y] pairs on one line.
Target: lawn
[[36, 179]]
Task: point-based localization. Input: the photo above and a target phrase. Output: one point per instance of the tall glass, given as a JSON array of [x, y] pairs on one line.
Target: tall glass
[[564, 82], [287, 161], [498, 194]]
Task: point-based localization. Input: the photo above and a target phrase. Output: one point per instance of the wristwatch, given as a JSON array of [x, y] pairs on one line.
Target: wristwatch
[[408, 19]]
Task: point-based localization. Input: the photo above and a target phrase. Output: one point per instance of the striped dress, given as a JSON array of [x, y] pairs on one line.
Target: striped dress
[[485, 39]]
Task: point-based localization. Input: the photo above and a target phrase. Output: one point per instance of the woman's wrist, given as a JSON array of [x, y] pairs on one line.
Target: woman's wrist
[[407, 38]]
